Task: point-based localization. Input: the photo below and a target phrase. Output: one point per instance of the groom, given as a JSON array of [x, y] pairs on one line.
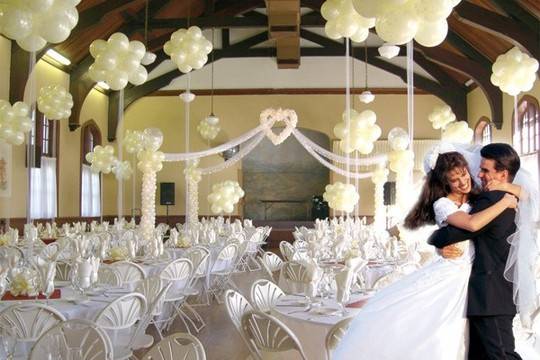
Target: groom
[[490, 306]]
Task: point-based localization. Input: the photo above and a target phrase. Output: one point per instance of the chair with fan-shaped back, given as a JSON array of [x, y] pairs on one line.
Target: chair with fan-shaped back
[[269, 335], [265, 294], [154, 290], [177, 346], [271, 263], [88, 339], [107, 275], [335, 335], [119, 319], [200, 258], [130, 273], [287, 250], [294, 278], [63, 271], [219, 278], [237, 305]]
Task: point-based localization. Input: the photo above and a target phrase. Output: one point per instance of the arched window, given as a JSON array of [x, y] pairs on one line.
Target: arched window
[[527, 135], [482, 131], [90, 182]]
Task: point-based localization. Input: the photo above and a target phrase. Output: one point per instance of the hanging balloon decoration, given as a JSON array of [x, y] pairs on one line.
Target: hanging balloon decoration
[[55, 102], [401, 161], [379, 178], [343, 21], [15, 121], [188, 49], [150, 162], [441, 116], [341, 197], [33, 23], [399, 21], [122, 170], [117, 61], [133, 141], [192, 171], [208, 128], [514, 72], [224, 196], [458, 132], [361, 134], [101, 158]]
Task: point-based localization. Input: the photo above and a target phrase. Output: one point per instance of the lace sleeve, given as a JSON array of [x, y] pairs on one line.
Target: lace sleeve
[[443, 208]]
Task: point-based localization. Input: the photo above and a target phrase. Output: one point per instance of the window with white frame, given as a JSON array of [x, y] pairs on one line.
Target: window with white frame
[[527, 135], [90, 181], [482, 132]]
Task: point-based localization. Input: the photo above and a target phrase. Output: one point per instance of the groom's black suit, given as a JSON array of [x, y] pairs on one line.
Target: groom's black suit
[[490, 306]]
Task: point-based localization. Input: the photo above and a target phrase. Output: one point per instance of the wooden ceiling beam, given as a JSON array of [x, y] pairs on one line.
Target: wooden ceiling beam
[[467, 48], [516, 11], [498, 25], [480, 74], [283, 26], [235, 7], [18, 75]]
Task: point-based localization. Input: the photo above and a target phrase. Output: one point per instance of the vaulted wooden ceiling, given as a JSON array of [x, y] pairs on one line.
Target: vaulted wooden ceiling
[[479, 31]]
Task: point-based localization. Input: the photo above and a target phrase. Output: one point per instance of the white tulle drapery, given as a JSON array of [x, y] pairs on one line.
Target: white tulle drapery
[[44, 190]]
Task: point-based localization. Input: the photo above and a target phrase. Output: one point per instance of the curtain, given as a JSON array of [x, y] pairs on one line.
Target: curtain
[[43, 196], [90, 193]]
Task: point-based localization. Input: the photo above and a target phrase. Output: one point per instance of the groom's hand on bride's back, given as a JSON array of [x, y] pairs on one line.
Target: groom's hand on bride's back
[[450, 252]]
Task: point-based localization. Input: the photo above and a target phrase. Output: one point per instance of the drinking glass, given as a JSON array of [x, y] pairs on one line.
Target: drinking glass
[[9, 343]]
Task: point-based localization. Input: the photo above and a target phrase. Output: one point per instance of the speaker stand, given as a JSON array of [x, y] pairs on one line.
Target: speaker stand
[[167, 214]]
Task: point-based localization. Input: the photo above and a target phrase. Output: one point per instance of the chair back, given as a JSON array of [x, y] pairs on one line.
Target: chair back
[[264, 294], [151, 288], [79, 334], [107, 275], [177, 346], [287, 250], [200, 258], [335, 335], [123, 312], [237, 305], [129, 272], [29, 321], [225, 260], [268, 334], [63, 271]]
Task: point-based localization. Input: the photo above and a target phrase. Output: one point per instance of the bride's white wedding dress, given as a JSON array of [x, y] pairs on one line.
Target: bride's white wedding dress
[[421, 316]]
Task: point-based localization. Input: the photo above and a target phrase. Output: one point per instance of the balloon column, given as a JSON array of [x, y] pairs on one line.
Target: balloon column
[[399, 21], [458, 132], [379, 177], [55, 102], [224, 196], [117, 61], [14, 121], [149, 163], [188, 49], [34, 23], [401, 161], [441, 116], [514, 72], [193, 177], [343, 21], [361, 134], [341, 197]]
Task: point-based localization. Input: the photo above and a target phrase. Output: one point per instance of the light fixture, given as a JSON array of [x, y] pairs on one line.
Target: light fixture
[[389, 51], [212, 119], [149, 57], [59, 58], [366, 96], [187, 96]]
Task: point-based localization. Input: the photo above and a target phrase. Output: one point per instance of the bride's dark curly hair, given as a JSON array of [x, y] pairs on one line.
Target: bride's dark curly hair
[[435, 187]]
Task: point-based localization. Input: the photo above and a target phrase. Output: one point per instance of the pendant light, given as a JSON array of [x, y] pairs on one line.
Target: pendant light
[[149, 57], [366, 96], [212, 119]]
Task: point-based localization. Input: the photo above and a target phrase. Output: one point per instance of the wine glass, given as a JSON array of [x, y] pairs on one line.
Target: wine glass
[[8, 342]]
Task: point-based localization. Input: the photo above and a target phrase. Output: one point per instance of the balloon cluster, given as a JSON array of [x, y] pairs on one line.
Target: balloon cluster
[[361, 134], [133, 141], [224, 196], [341, 197], [458, 132], [33, 23], [380, 175], [343, 21], [441, 116], [122, 170], [514, 72], [208, 129], [188, 49], [102, 159], [55, 102], [150, 160], [14, 121], [192, 172], [117, 61], [399, 21], [400, 159]]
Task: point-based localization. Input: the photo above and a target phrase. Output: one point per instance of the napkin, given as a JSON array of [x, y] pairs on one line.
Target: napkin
[[344, 279], [47, 272], [314, 275]]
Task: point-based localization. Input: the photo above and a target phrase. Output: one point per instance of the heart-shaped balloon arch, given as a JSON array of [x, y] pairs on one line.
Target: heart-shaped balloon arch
[[268, 119]]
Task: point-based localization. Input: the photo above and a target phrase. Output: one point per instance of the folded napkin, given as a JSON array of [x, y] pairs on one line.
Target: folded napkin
[[47, 272], [344, 279], [314, 275]]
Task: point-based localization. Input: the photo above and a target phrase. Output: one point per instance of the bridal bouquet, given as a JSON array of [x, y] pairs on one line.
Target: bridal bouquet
[[24, 282], [118, 253]]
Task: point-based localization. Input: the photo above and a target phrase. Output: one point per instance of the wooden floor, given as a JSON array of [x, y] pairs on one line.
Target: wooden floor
[[220, 338]]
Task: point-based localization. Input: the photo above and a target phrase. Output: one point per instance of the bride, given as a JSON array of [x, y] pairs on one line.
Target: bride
[[423, 315]]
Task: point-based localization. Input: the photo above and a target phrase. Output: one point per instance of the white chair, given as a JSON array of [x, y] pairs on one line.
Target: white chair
[[155, 302], [200, 258], [118, 319], [237, 306], [335, 335], [178, 273], [287, 250], [271, 263], [269, 335], [130, 273], [63, 271], [89, 340], [219, 278], [177, 346], [295, 276], [107, 275], [264, 294], [254, 245], [241, 258]]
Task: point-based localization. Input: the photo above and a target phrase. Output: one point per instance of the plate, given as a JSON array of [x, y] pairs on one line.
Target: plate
[[323, 311]]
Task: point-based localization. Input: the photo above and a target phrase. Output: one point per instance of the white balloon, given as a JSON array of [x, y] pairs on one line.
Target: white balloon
[[153, 138], [14, 122], [55, 102], [341, 197], [514, 72], [398, 139], [188, 49], [431, 34]]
